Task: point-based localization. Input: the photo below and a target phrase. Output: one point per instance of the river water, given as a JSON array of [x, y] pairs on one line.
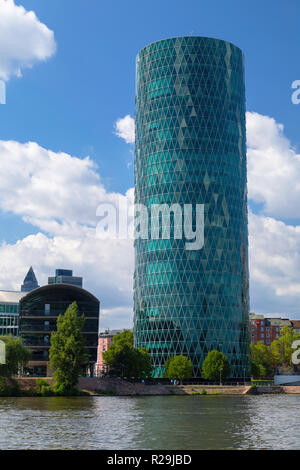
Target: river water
[[167, 422]]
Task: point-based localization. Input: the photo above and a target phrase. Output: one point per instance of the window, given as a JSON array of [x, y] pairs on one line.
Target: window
[[47, 309]]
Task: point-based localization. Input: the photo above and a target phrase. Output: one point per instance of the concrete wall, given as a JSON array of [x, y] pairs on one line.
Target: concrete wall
[[287, 379]]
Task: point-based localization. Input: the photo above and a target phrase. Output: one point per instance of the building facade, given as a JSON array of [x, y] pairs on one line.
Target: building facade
[[266, 329], [9, 313], [104, 341], [38, 315], [190, 149], [65, 276], [9, 305]]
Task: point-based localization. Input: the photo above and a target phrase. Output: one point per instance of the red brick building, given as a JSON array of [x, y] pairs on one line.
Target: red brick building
[[267, 329]]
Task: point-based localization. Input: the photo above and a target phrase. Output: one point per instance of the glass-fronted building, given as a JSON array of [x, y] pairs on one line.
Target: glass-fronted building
[[65, 276], [9, 313], [190, 149], [38, 315]]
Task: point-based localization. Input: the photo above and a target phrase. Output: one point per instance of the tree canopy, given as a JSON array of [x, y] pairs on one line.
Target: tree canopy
[[215, 366], [281, 348], [265, 360], [17, 355], [68, 355], [123, 360], [178, 368]]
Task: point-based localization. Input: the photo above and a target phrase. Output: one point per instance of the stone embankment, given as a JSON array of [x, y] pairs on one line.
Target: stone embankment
[[120, 387], [111, 386]]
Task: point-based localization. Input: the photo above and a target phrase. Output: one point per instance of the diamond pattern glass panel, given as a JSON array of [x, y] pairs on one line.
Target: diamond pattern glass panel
[[190, 149]]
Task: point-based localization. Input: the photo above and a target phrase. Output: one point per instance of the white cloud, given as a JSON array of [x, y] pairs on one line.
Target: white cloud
[[273, 168], [106, 266], [125, 129], [24, 40], [53, 191], [274, 246], [59, 194], [274, 258]]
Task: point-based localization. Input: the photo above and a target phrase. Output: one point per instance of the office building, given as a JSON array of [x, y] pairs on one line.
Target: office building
[[38, 315], [191, 149], [65, 276], [9, 312]]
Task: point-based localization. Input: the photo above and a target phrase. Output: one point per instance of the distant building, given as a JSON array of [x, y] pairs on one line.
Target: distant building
[[30, 282], [65, 276], [9, 305], [296, 325], [9, 312], [267, 329], [104, 341], [38, 315]]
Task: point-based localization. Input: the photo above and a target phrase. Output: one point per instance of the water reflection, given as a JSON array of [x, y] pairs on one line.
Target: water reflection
[[208, 422]]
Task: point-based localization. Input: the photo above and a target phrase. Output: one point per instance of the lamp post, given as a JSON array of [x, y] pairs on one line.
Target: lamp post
[[221, 370]]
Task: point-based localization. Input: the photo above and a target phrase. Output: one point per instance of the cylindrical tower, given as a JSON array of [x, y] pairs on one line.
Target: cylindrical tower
[[191, 149]]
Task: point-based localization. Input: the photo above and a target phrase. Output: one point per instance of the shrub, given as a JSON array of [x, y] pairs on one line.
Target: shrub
[[40, 383], [9, 388], [46, 391], [63, 391]]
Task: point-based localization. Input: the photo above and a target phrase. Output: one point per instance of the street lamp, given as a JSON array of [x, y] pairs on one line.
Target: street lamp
[[221, 370]]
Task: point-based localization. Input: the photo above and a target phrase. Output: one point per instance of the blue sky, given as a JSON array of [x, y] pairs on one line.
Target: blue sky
[[70, 101]]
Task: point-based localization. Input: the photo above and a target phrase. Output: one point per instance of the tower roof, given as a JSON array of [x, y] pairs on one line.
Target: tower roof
[[30, 282]]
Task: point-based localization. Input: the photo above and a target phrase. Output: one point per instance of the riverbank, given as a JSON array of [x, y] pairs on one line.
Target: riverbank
[[117, 387]]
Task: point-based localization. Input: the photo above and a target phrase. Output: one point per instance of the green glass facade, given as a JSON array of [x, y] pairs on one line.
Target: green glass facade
[[190, 149]]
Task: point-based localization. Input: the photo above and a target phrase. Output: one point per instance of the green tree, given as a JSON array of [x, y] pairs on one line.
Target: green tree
[[142, 366], [258, 370], [123, 360], [281, 348], [68, 355], [178, 368], [17, 355], [262, 361], [215, 366]]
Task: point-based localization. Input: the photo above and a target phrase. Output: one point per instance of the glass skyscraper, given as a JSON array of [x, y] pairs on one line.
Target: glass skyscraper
[[190, 149]]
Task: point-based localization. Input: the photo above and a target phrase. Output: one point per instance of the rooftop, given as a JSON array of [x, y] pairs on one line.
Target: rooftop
[[11, 297]]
